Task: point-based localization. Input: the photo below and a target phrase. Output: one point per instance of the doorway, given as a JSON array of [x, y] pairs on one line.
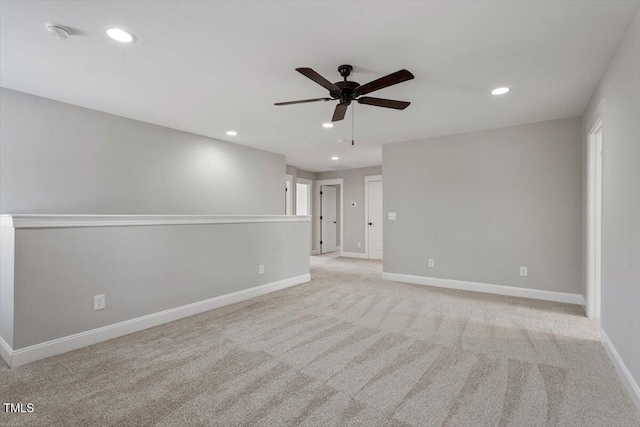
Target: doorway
[[594, 221], [329, 222], [373, 216]]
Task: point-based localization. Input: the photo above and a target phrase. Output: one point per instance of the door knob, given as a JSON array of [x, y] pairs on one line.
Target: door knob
[[370, 223]]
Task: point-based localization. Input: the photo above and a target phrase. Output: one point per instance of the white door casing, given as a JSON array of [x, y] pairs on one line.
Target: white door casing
[[594, 221], [288, 184], [374, 218], [328, 204]]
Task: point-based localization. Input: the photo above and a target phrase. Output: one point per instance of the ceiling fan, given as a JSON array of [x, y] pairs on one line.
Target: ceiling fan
[[347, 91]]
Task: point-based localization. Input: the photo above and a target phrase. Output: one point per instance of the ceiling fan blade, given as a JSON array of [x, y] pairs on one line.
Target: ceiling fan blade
[[387, 103], [303, 101], [386, 81], [309, 73], [339, 112]]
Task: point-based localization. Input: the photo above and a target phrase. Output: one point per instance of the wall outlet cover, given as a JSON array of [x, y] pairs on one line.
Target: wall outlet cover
[[392, 216], [523, 271], [261, 269], [99, 302], [432, 263]]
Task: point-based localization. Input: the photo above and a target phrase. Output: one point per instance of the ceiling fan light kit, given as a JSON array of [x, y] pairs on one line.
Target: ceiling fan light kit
[[346, 91]]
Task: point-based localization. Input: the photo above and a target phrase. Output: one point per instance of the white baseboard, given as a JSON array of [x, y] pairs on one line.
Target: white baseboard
[[72, 342], [353, 255], [485, 287], [5, 351], [629, 383]]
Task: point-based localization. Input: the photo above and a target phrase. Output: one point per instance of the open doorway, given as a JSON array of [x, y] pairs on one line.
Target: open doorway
[[329, 223], [594, 220]]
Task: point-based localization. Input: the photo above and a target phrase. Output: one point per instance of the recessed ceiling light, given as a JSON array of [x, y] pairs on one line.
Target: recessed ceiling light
[[500, 91], [232, 133], [335, 158], [327, 125], [120, 35]]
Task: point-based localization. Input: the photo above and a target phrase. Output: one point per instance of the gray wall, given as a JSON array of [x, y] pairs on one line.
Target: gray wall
[[354, 228], [7, 244], [60, 158], [482, 204], [620, 90], [59, 270]]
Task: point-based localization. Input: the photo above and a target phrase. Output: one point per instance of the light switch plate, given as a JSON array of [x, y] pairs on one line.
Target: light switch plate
[[392, 216]]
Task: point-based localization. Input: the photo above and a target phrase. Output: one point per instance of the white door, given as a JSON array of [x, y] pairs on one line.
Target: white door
[[328, 219], [374, 226]]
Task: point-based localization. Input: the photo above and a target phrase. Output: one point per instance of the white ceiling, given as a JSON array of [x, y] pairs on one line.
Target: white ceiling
[[210, 66]]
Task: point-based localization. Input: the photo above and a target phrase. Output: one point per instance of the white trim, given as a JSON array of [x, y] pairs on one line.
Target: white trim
[[595, 148], [5, 351], [318, 184], [50, 221], [288, 196], [353, 255], [367, 180], [485, 287], [6, 221], [315, 252], [629, 383], [72, 342]]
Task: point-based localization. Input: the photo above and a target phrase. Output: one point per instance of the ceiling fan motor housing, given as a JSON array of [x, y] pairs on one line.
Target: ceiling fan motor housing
[[347, 91]]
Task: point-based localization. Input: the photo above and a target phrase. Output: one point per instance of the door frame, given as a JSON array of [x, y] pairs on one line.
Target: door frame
[[288, 194], [318, 210], [595, 193], [367, 180]]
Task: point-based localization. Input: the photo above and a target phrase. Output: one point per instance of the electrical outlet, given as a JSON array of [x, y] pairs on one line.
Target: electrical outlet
[[261, 269], [432, 263], [99, 302], [392, 216], [359, 244], [523, 271]]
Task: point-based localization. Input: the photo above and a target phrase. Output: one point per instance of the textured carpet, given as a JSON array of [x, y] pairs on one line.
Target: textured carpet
[[345, 349]]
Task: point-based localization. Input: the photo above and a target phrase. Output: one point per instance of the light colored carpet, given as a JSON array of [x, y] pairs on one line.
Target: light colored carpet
[[345, 349]]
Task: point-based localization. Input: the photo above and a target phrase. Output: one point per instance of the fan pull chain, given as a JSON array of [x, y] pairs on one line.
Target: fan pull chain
[[353, 120]]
